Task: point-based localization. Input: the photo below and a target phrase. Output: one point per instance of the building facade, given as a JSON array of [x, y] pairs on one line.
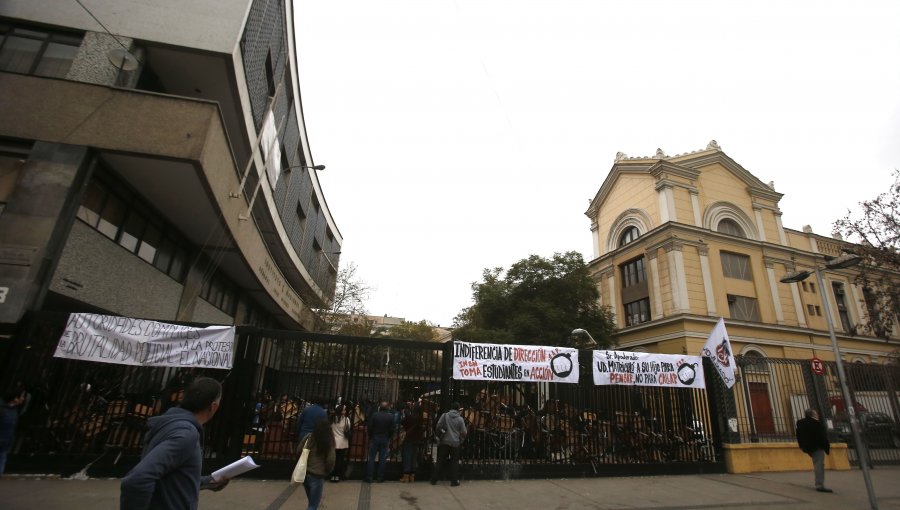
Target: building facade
[[154, 163]]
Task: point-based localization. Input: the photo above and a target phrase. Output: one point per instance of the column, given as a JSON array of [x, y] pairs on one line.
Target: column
[[695, 205], [92, 65], [703, 250], [666, 202], [859, 303], [595, 235], [657, 308], [781, 235], [757, 211], [795, 295], [610, 275], [677, 277], [773, 287]]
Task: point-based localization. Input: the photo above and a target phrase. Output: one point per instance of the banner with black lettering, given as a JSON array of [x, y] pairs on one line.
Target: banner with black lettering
[[646, 369], [127, 341], [502, 362]]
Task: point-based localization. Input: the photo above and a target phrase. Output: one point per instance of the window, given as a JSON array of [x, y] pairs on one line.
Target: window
[[838, 289], [633, 272], [637, 312], [630, 234], [116, 213], [743, 308], [270, 75], [753, 361], [220, 292], [736, 266], [730, 227], [36, 51]]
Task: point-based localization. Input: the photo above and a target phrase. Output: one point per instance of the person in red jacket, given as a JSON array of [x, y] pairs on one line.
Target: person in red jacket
[[813, 440]]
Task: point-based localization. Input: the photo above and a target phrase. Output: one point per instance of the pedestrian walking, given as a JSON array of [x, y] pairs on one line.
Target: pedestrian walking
[[380, 429], [414, 427], [168, 474], [340, 429], [813, 440], [319, 463], [451, 432]]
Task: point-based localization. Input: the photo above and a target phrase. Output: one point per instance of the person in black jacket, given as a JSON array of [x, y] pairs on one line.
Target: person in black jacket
[[168, 475], [380, 428], [813, 440]]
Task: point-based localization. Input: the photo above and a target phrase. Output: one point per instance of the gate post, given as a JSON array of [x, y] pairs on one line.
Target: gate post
[[446, 376], [240, 389], [722, 406]]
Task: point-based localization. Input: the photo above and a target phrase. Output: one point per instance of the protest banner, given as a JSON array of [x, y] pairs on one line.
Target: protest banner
[[501, 362], [646, 369], [140, 342]]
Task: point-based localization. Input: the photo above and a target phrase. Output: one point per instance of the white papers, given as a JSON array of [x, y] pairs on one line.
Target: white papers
[[234, 469]]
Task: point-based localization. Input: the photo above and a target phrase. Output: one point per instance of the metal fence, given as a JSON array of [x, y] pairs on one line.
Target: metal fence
[[91, 416], [772, 394]]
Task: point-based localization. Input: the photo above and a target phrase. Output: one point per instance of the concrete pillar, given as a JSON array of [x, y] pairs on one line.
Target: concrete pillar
[[757, 212], [36, 222], [657, 309], [92, 63], [773, 287]]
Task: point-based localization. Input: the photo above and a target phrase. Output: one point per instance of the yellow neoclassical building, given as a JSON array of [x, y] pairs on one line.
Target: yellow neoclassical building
[[682, 240]]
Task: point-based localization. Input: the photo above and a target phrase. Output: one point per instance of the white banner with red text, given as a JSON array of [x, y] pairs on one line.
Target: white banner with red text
[[128, 341], [646, 369], [521, 363]]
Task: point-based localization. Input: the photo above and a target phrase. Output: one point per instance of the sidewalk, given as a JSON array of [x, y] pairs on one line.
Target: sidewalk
[[771, 491]]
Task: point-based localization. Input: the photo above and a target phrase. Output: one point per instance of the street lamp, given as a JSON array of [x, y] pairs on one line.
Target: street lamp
[[841, 262], [583, 332], [316, 167]]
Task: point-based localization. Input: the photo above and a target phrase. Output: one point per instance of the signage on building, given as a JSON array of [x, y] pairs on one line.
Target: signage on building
[[140, 342], [525, 363], [818, 367], [646, 369]]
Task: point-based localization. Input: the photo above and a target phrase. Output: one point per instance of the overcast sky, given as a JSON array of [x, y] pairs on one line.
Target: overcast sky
[[465, 134]]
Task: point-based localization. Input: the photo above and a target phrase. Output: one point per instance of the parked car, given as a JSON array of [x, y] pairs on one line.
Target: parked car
[[877, 429]]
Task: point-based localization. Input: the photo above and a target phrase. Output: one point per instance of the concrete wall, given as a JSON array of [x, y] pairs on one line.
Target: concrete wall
[[93, 269], [212, 25], [209, 314]]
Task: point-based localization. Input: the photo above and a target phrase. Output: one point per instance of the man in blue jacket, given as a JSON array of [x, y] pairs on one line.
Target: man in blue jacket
[[168, 475], [308, 418]]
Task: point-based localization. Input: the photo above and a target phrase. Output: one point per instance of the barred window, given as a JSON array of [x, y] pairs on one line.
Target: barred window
[[633, 272], [743, 308], [736, 266], [730, 227], [630, 234], [637, 312]]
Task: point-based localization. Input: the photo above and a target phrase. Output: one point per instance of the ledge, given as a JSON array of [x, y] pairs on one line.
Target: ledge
[[770, 457]]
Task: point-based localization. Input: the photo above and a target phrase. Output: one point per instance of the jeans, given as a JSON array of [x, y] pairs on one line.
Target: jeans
[[410, 456], [2, 460], [445, 452], [818, 458], [379, 445], [314, 487]]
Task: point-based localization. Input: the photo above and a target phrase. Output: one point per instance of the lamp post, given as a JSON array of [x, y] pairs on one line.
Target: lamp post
[[583, 332], [844, 261]]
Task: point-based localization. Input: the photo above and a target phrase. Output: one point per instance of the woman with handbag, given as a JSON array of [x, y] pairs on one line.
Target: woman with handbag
[[316, 461], [340, 429]]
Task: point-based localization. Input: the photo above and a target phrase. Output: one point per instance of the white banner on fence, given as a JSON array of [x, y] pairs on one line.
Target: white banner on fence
[[646, 369], [128, 341], [501, 362]]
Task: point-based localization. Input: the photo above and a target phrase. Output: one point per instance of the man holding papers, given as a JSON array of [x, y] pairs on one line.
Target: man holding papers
[[168, 475]]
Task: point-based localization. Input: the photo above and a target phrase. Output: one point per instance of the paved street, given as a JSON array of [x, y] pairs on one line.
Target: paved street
[[771, 491]]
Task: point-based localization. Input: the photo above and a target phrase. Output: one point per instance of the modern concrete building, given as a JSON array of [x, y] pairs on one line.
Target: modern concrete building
[[154, 163]]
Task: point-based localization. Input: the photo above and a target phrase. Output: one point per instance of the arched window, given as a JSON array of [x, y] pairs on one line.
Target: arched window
[[630, 234], [730, 227], [754, 361]]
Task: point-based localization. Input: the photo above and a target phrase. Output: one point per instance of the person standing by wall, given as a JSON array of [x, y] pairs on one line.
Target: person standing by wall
[[319, 463], [813, 440], [451, 431], [10, 410], [168, 474], [340, 429], [414, 426], [380, 427]]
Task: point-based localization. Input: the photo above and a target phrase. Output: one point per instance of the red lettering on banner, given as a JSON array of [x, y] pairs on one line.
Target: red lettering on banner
[[617, 378], [667, 378], [541, 374]]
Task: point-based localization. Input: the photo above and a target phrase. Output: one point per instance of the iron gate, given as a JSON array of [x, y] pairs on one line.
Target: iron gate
[[92, 415]]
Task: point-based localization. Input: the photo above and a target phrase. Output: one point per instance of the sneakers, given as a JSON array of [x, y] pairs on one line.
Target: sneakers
[[823, 489]]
